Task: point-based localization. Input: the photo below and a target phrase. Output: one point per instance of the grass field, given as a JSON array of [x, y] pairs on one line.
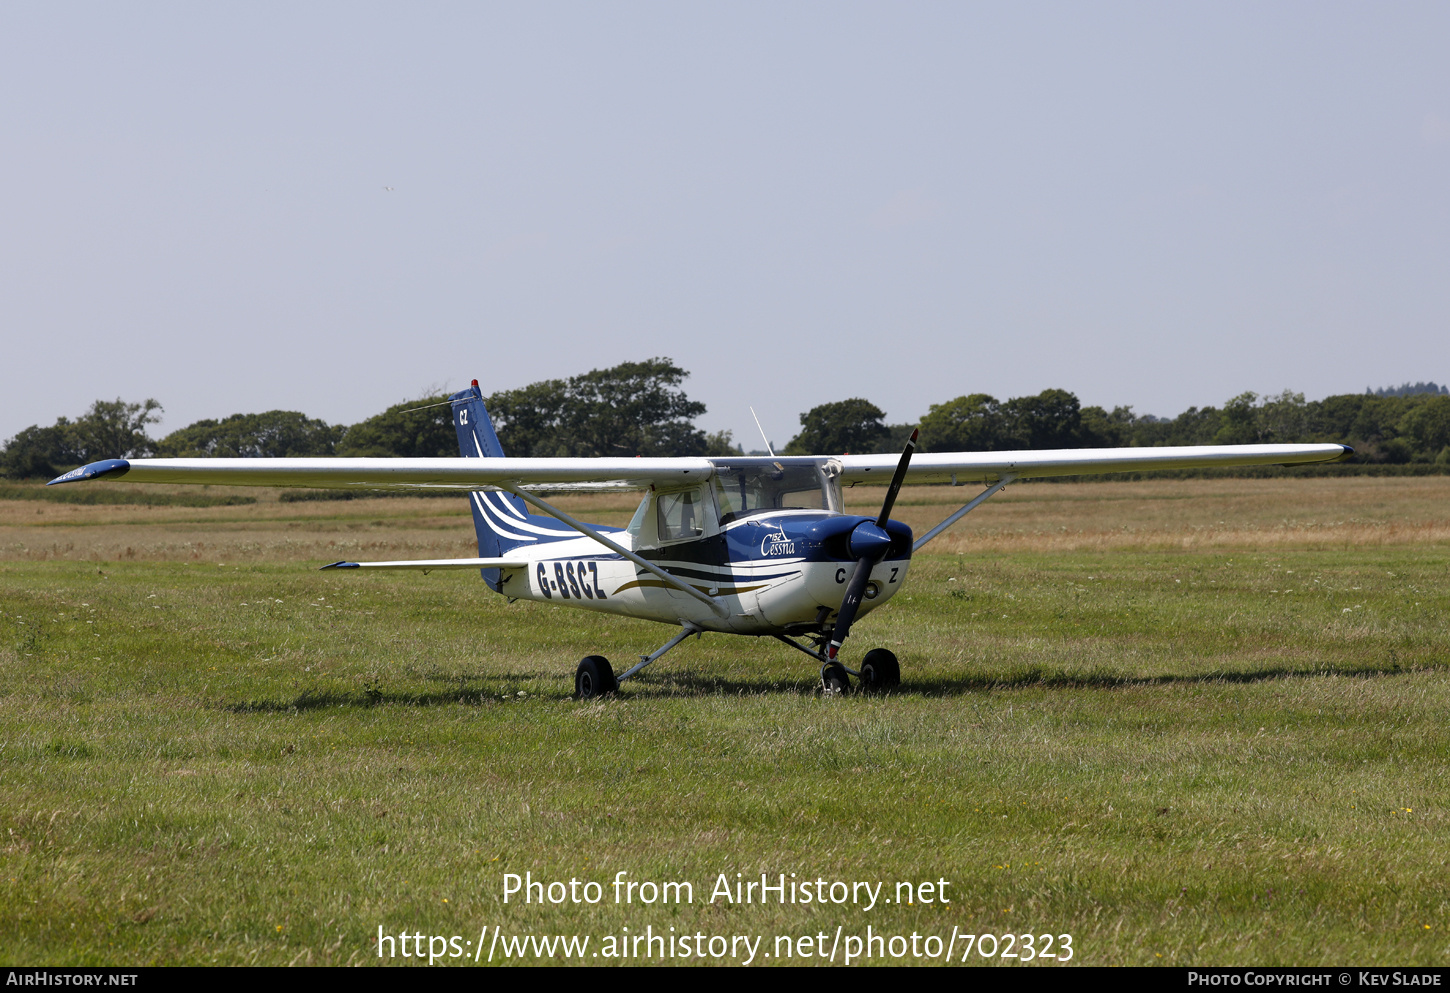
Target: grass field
[[1186, 722]]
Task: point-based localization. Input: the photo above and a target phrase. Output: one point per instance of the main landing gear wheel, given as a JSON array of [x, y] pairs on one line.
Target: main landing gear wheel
[[834, 680], [594, 677], [880, 670]]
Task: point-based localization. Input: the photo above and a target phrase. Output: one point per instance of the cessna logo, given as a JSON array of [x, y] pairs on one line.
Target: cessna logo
[[776, 543]]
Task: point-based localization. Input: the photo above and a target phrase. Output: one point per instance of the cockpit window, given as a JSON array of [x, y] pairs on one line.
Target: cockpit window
[[758, 490], [681, 515]]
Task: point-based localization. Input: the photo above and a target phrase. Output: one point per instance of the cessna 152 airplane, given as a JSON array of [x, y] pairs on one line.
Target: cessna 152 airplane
[[746, 545]]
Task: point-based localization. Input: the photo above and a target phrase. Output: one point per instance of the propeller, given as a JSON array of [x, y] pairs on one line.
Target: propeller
[[869, 543]]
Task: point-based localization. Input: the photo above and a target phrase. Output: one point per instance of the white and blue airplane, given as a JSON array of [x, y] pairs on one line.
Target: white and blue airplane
[[756, 546]]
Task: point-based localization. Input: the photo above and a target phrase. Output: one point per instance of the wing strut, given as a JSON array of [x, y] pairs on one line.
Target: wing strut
[[972, 505], [584, 529]]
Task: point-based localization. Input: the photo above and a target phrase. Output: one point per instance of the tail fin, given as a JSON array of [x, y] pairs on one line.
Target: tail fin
[[476, 437], [501, 520]]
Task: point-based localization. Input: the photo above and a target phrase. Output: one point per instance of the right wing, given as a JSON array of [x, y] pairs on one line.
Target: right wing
[[989, 467]]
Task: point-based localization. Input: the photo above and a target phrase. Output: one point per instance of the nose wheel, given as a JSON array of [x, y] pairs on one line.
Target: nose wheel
[[834, 679], [879, 669]]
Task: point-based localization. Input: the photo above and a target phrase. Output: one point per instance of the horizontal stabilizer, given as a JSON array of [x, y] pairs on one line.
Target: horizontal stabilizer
[[428, 565]]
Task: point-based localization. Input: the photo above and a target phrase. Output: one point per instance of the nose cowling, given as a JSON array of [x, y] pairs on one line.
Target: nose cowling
[[869, 541]]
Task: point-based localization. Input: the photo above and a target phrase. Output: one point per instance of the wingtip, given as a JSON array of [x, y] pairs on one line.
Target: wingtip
[[1346, 454], [93, 470], [339, 565]]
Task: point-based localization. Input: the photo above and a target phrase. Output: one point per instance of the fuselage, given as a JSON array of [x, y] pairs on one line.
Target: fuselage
[[776, 572]]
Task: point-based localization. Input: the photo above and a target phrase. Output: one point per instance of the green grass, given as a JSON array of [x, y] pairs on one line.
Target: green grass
[[1153, 751], [305, 496], [118, 496]]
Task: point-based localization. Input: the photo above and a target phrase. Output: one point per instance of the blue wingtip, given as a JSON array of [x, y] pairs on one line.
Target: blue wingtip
[[108, 467], [339, 565]]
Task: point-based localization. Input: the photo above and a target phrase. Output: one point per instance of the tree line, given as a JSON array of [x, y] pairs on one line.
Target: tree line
[[1382, 428], [640, 408], [635, 408]]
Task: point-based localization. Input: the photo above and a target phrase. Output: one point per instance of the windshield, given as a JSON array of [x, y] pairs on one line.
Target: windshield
[[757, 490], [637, 521]]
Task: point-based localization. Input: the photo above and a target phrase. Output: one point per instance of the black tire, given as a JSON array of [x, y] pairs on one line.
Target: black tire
[[594, 677], [880, 670], [834, 680]]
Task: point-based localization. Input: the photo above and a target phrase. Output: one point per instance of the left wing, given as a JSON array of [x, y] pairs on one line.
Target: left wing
[[989, 467], [396, 474]]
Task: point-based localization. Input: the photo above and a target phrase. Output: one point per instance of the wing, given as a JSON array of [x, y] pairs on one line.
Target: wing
[[473, 474], [988, 467], [396, 474], [429, 565]]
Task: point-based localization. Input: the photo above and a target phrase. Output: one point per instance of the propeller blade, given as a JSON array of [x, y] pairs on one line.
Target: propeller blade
[[857, 588], [849, 605], [896, 478]]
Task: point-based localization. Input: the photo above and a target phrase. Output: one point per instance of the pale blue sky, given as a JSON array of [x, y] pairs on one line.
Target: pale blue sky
[[1155, 204]]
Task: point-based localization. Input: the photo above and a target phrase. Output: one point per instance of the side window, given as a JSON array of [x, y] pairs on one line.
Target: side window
[[681, 515], [808, 499]]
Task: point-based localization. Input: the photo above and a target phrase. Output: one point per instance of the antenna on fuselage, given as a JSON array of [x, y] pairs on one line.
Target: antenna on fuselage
[[762, 433]]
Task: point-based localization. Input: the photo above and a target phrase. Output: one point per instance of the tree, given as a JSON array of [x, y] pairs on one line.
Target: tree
[[115, 429], [1101, 429], [274, 434], [1051, 419], [839, 428], [111, 429], [635, 408], [1427, 426], [722, 444], [39, 453], [967, 424], [1047, 420], [421, 428], [1239, 424], [1333, 418], [1408, 389], [894, 440], [1284, 419], [527, 419]]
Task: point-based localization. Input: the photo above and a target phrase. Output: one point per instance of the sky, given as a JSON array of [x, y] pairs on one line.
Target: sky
[[337, 207]]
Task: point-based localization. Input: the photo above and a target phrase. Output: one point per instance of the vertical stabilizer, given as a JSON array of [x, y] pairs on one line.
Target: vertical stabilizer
[[502, 520], [476, 436], [492, 512]]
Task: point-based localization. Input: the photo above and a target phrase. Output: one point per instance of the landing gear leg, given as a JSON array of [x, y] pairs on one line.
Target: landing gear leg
[[645, 660], [835, 677]]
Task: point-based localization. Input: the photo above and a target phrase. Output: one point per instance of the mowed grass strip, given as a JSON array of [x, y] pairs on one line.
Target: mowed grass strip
[[1222, 755]]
